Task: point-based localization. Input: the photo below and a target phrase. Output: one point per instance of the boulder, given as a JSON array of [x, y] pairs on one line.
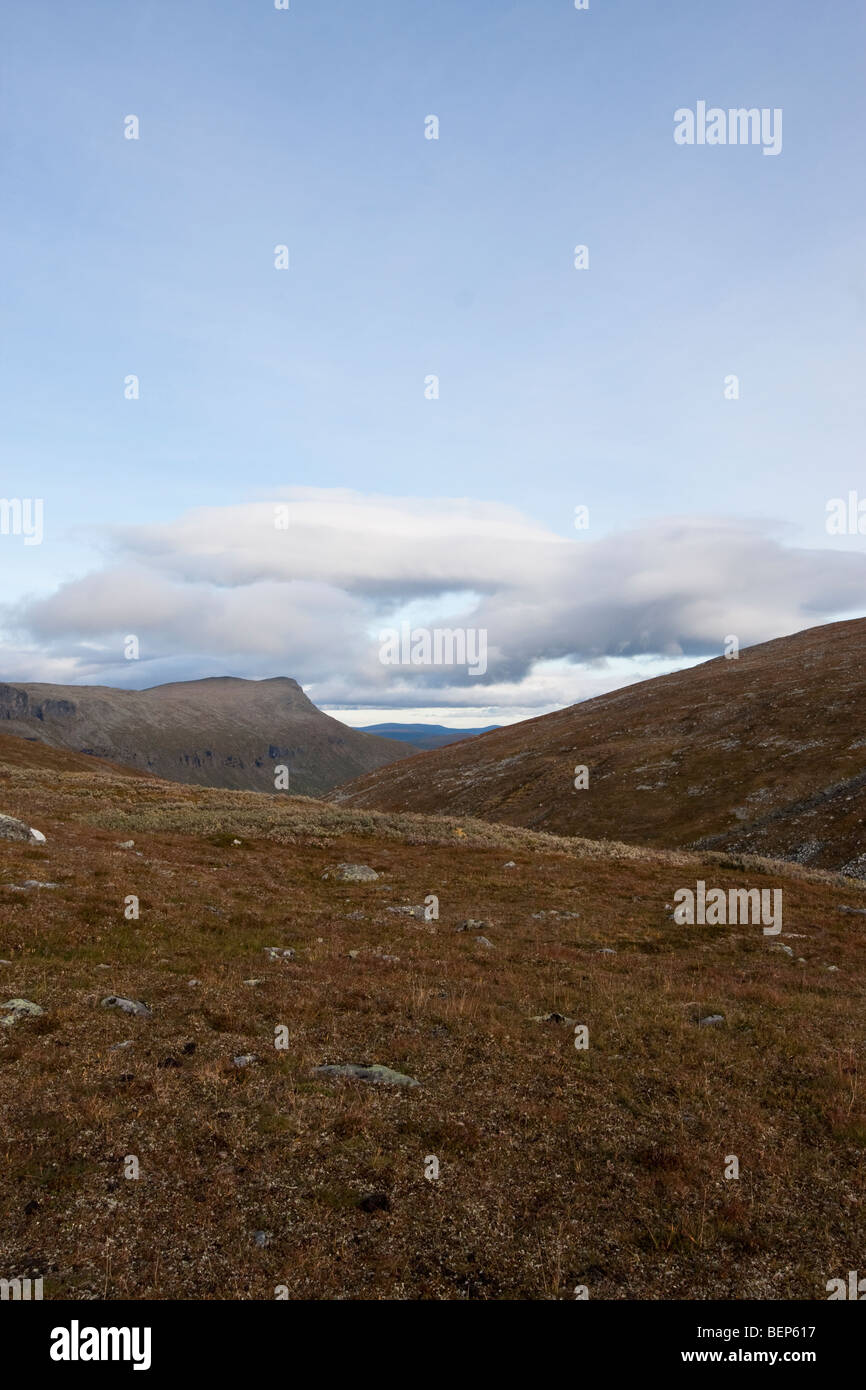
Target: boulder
[[351, 873], [376, 1074], [127, 1006], [12, 829], [20, 1008]]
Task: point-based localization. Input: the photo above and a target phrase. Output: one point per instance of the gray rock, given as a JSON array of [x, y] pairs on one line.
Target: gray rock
[[711, 1021], [20, 1008], [279, 952], [125, 844], [483, 941], [553, 1018], [27, 884], [127, 1006], [245, 1059], [471, 925], [12, 829], [376, 1074], [262, 1238], [122, 1046], [351, 873]]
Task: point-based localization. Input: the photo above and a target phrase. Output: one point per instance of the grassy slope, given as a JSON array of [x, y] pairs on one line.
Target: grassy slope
[[558, 1167], [763, 754]]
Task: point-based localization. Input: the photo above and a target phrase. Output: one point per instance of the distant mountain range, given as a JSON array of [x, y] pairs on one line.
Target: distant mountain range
[[219, 732], [765, 754], [424, 736]]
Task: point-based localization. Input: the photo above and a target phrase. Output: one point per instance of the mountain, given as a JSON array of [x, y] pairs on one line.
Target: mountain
[[556, 1165], [766, 753], [219, 732], [424, 736]]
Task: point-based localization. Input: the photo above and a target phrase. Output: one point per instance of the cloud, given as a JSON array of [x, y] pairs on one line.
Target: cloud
[[223, 590]]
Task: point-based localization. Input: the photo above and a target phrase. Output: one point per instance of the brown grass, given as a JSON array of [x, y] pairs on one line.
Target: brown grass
[[557, 1167]]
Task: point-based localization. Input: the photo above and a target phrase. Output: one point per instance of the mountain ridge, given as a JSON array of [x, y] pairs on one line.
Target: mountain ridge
[[221, 731]]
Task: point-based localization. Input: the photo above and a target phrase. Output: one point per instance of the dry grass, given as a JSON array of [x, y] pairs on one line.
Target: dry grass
[[557, 1167]]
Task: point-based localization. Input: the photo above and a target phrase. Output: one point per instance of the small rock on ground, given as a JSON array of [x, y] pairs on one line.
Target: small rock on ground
[[13, 829], [351, 873], [127, 1006], [21, 1008], [377, 1074]]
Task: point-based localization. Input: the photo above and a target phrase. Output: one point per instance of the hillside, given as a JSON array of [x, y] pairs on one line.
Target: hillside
[[556, 1167], [221, 732], [766, 754]]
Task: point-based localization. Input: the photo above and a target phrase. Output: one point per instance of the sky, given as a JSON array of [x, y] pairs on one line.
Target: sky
[[250, 470]]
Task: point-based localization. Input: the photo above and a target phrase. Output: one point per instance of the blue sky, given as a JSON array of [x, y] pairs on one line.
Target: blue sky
[[409, 257]]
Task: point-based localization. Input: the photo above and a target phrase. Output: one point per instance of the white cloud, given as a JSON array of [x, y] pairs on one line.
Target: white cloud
[[223, 591]]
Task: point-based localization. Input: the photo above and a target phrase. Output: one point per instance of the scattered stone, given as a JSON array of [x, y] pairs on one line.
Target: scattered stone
[[779, 946], [279, 952], [510, 865], [245, 1059], [253, 982], [376, 1074], [127, 1006], [831, 967], [29, 883], [351, 873], [5, 962], [121, 1046], [193, 984], [553, 1018], [860, 911], [262, 1238], [21, 1008], [236, 842], [711, 1021], [471, 925], [552, 912], [12, 829], [125, 844], [483, 941], [353, 955], [606, 951]]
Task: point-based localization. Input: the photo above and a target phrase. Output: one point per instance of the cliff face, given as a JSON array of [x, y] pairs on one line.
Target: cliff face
[[221, 732]]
